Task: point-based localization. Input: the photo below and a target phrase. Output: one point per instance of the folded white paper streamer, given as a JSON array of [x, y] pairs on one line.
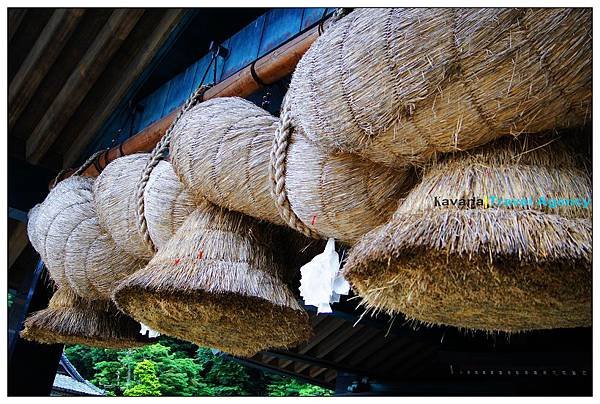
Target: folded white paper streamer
[[145, 329], [321, 282]]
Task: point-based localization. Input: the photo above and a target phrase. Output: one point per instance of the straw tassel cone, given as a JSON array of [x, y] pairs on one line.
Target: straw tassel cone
[[496, 268], [70, 319], [217, 283]]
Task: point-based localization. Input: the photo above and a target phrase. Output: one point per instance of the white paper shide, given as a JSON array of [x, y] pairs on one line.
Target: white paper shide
[[321, 282]]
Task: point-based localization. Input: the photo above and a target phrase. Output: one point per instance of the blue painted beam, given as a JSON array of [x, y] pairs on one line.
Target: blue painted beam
[[280, 25], [17, 214], [243, 47]]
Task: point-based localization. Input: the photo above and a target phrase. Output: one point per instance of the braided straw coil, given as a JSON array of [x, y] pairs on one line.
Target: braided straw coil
[[70, 319], [66, 207], [217, 283], [167, 202], [32, 229], [500, 268], [399, 85], [221, 151], [94, 264], [116, 201]]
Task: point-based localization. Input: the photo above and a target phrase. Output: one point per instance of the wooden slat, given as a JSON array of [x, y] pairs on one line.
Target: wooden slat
[[355, 344], [130, 73], [311, 16], [180, 89], [330, 376], [361, 355], [120, 23], [17, 242], [15, 17], [329, 327], [39, 60], [332, 343], [270, 68]]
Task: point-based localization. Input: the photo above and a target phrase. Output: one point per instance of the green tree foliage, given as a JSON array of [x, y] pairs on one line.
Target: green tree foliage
[[176, 368], [145, 382], [284, 387]]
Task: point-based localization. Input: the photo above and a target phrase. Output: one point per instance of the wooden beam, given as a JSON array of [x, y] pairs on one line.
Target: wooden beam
[[17, 242], [131, 72], [331, 326], [270, 68], [40, 58], [108, 41], [15, 17]]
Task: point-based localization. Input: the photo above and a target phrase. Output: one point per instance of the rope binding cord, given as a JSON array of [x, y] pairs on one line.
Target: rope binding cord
[[281, 141], [91, 160], [277, 171], [157, 154]]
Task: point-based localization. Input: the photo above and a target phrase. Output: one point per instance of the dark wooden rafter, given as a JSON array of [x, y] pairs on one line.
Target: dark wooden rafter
[[17, 241], [39, 60], [15, 17], [112, 35], [114, 95]]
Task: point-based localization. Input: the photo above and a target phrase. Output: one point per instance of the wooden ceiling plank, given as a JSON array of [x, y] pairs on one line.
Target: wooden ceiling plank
[[116, 93], [358, 341], [40, 58], [17, 242], [330, 376], [15, 17], [329, 327], [90, 67], [328, 346]]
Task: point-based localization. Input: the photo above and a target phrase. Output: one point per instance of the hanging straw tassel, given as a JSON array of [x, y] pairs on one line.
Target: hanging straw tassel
[[498, 268], [70, 319], [221, 151], [217, 283], [400, 85], [81, 259]]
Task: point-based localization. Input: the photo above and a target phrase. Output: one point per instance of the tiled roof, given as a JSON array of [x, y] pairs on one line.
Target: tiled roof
[[70, 385]]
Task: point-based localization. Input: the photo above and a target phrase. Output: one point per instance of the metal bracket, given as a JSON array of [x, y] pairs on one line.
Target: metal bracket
[[218, 50]]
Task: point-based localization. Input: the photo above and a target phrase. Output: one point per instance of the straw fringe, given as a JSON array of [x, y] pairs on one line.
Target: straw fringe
[[216, 283], [496, 269], [400, 85], [70, 319]]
